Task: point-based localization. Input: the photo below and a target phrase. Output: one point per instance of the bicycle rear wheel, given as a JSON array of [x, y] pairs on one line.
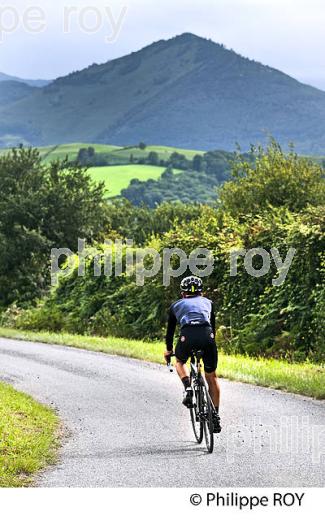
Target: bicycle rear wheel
[[196, 420], [208, 417]]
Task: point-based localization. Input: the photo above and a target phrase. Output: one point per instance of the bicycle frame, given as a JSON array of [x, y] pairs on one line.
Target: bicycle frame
[[201, 415], [196, 368]]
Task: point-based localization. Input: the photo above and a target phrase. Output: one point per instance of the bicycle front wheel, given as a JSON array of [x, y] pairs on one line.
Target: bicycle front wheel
[[208, 417]]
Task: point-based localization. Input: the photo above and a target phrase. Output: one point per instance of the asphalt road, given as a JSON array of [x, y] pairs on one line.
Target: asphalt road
[[127, 427]]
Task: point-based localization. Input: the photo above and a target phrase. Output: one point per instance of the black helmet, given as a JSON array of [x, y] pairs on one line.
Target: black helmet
[[191, 285]]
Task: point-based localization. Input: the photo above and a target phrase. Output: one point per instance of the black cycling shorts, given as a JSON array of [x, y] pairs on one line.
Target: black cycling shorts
[[198, 337]]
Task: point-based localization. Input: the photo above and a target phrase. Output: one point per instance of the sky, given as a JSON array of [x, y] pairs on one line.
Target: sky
[[44, 39]]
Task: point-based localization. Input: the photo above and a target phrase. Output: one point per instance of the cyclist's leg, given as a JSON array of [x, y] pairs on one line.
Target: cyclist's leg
[[210, 360], [210, 365], [182, 354], [214, 388], [182, 369]]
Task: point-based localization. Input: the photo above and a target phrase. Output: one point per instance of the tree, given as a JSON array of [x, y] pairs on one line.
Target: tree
[[142, 146], [82, 156], [168, 174], [153, 158], [179, 160], [198, 163], [41, 207], [86, 156], [273, 179]]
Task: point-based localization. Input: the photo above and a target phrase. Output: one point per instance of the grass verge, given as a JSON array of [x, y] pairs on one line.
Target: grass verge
[[305, 378], [28, 437]]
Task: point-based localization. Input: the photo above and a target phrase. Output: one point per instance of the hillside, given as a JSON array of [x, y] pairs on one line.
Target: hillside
[[122, 154], [12, 91], [71, 150], [30, 82], [186, 92]]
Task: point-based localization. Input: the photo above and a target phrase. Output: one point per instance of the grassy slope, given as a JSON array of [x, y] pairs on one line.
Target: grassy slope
[[118, 177], [164, 152], [50, 153], [306, 379], [71, 150], [122, 153], [28, 437]]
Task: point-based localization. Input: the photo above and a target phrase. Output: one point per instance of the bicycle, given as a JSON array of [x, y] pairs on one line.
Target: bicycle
[[202, 410]]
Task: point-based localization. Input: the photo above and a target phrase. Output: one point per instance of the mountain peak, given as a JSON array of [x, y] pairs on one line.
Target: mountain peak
[[187, 36], [189, 39], [187, 92]]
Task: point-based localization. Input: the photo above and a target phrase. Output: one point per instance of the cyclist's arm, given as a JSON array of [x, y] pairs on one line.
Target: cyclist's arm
[[171, 326], [213, 320]]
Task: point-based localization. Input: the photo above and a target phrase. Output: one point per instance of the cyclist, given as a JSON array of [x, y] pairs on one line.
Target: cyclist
[[195, 315]]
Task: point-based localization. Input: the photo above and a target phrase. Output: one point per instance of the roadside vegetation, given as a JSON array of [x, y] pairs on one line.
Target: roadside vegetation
[[273, 200], [42, 206], [301, 378], [28, 437]]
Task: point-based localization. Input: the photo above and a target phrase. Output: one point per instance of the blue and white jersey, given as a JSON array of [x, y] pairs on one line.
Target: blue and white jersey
[[193, 311]]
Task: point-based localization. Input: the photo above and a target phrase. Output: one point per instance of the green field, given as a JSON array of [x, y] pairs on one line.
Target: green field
[[50, 153], [164, 152], [116, 152], [28, 437], [117, 178]]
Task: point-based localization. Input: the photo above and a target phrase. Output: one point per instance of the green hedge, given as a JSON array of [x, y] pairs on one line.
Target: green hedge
[[275, 201]]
